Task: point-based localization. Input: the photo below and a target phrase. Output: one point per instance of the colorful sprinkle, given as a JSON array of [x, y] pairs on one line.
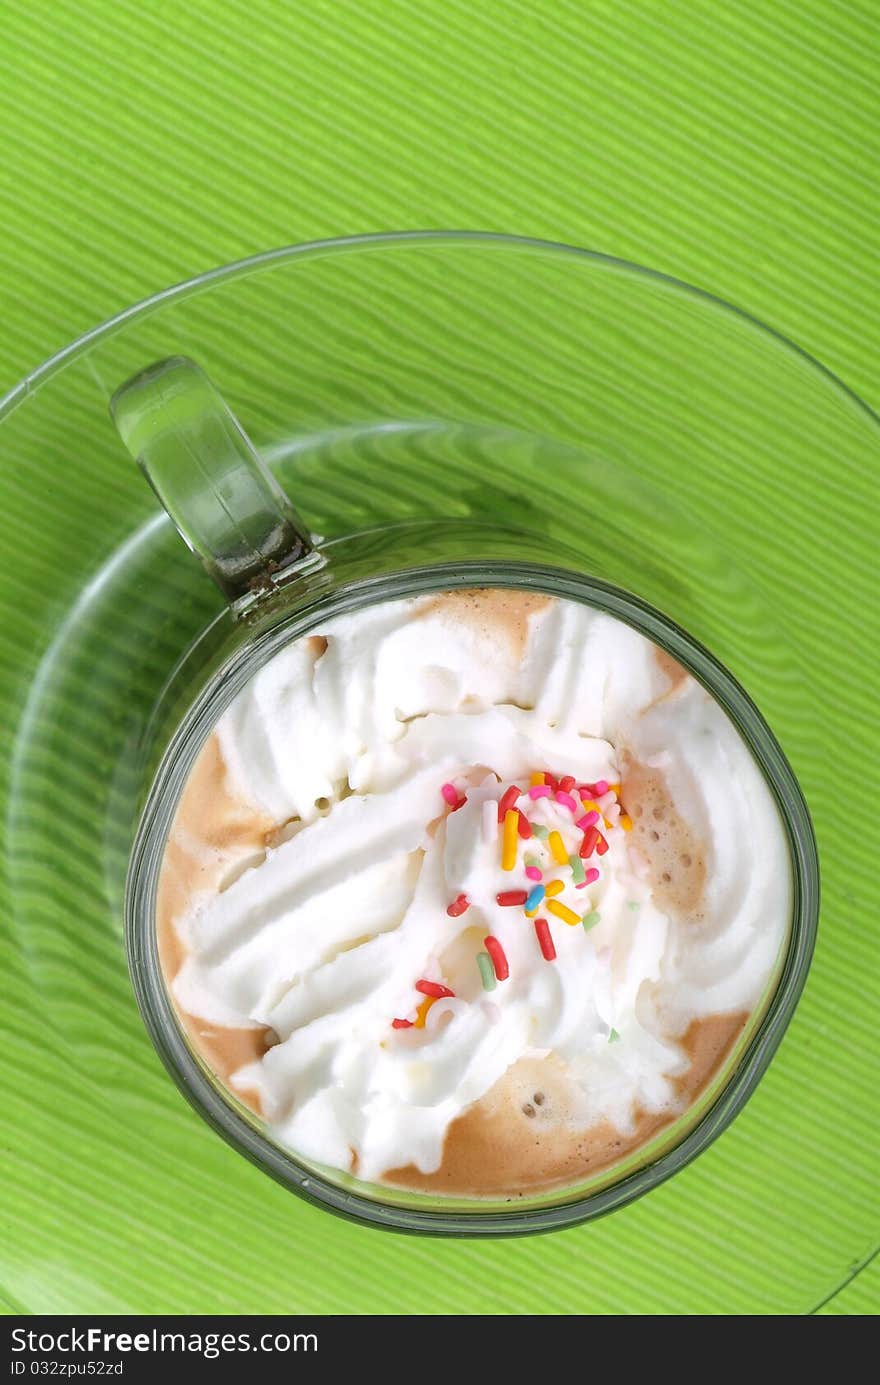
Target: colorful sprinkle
[[577, 868], [545, 940], [633, 904], [592, 875], [566, 800], [601, 844], [600, 787], [613, 1037], [615, 789], [422, 1011], [434, 988], [459, 906], [588, 845], [566, 783], [508, 798], [551, 781], [539, 791], [557, 846], [589, 806], [510, 835], [499, 959], [534, 873], [460, 804], [588, 820], [490, 820], [536, 779], [450, 793], [626, 822], [555, 887], [591, 919], [509, 898], [524, 827], [401, 1024], [535, 896], [540, 831], [563, 912], [487, 971]]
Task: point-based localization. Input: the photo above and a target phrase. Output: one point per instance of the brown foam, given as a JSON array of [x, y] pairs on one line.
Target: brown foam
[[212, 834], [675, 857], [490, 611], [513, 1143], [671, 669]]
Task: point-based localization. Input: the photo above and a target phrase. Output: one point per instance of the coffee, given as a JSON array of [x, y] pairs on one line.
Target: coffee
[[472, 893]]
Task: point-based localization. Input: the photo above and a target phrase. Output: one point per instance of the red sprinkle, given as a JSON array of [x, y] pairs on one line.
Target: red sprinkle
[[588, 845], [507, 801], [567, 783], [401, 1024], [601, 845], [524, 827], [551, 781], [511, 897], [458, 906], [434, 988], [499, 960], [460, 804], [545, 940]]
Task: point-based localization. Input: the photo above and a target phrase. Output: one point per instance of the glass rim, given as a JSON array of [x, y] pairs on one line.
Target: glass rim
[[160, 1017], [463, 238]]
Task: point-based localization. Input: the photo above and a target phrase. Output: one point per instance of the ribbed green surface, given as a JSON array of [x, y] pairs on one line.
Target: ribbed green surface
[[144, 143]]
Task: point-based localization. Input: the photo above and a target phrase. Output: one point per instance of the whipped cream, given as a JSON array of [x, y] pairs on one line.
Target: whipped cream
[[345, 742]]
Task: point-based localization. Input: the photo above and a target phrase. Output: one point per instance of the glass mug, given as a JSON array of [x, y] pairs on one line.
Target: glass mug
[[280, 582]]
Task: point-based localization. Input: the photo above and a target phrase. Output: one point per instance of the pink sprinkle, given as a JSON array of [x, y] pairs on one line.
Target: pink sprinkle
[[566, 800], [532, 873], [450, 793], [539, 791], [600, 787], [591, 875], [587, 820]]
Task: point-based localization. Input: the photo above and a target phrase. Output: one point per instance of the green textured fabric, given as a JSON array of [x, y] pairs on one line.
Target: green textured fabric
[[734, 147]]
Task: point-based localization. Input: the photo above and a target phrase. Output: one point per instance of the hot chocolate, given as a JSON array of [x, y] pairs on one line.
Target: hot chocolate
[[471, 893]]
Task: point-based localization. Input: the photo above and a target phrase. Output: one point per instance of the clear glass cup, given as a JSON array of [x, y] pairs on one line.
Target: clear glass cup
[[445, 410]]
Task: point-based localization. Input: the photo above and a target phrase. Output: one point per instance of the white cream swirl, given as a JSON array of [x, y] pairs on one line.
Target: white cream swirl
[[324, 940]]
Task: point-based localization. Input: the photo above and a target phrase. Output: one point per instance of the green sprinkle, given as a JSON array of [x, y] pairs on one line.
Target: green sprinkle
[[487, 971], [540, 831], [532, 861], [613, 1037], [590, 920], [633, 904], [577, 869]]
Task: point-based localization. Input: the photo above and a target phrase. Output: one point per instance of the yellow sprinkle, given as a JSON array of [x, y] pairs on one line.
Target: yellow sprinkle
[[535, 780], [422, 1011], [557, 846], [509, 839], [530, 913], [589, 806], [555, 887], [626, 822], [563, 912], [608, 824], [615, 789]]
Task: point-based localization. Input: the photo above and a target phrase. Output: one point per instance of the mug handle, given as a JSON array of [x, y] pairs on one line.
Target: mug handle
[[226, 504]]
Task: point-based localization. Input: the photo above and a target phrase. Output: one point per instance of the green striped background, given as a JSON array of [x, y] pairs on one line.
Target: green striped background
[[142, 144]]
